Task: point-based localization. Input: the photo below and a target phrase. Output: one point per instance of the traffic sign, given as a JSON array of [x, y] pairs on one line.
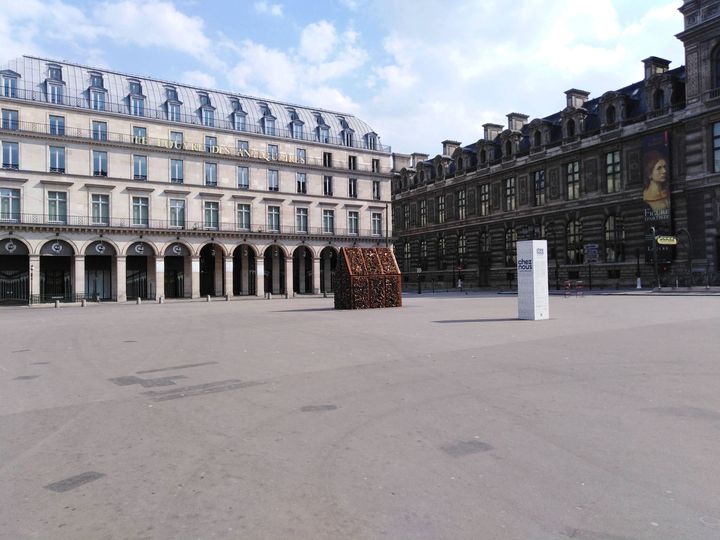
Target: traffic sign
[[592, 253]]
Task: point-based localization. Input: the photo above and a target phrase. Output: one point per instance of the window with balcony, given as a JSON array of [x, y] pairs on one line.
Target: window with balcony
[[539, 187], [323, 134], [99, 131], [301, 155], [140, 211], [327, 186], [57, 207], [572, 180], [56, 93], [9, 205], [210, 176], [268, 125], [177, 175], [301, 220], [328, 221], [10, 119], [177, 213], [612, 171], [137, 106], [57, 125], [9, 86], [211, 215], [239, 121], [139, 135], [243, 216], [99, 163], [57, 159], [273, 152], [176, 137], [10, 155], [353, 222], [300, 182], [376, 220], [97, 100], [352, 188], [273, 218], [243, 177], [210, 143], [99, 209], [273, 181], [139, 167], [173, 112], [243, 148]]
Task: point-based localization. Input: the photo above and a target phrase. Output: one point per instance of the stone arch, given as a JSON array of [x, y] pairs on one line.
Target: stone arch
[[88, 243], [130, 251]]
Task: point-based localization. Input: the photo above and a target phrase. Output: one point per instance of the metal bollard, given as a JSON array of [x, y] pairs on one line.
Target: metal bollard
[[208, 298], [82, 302], [227, 297], [57, 303], [138, 301], [161, 300]]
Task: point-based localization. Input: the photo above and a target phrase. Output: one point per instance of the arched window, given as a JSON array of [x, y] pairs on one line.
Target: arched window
[[574, 242], [659, 99], [537, 138], [510, 247], [715, 67], [614, 239], [610, 115], [571, 128], [508, 148]]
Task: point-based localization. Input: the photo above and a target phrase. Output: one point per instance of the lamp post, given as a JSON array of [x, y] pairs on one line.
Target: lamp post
[[419, 271]]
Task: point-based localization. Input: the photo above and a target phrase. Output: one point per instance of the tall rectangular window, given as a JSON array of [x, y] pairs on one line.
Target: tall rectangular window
[[461, 205], [139, 167], [10, 87], [243, 148], [173, 112], [273, 152], [177, 213], [239, 121], [509, 194], [422, 212], [484, 198], [137, 106], [100, 163], [211, 211], [406, 216], [56, 94], [210, 143], [301, 183], [10, 119], [440, 205], [301, 155], [243, 177], [572, 179], [301, 220], [376, 165], [9, 204], [57, 125], [176, 137], [352, 188], [612, 171], [376, 190], [269, 125], [376, 220], [352, 163], [296, 130], [177, 175], [716, 146], [329, 221], [99, 209], [243, 216], [57, 159], [140, 211], [211, 174], [139, 135], [208, 117], [327, 186], [273, 218], [57, 206], [353, 222], [327, 159], [99, 131], [273, 182], [97, 100], [10, 155], [539, 187]]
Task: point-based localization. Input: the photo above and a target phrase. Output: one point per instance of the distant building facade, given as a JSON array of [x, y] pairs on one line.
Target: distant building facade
[[115, 187], [595, 179]]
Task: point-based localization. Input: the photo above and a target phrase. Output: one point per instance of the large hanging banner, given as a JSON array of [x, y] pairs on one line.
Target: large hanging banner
[[656, 194]]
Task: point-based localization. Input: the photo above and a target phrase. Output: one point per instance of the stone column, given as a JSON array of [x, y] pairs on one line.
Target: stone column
[[229, 276], [301, 272], [194, 277], [34, 273], [288, 276], [159, 276], [260, 276], [79, 281], [316, 275], [120, 279]]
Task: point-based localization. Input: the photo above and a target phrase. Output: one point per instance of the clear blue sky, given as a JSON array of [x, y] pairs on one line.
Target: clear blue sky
[[418, 71]]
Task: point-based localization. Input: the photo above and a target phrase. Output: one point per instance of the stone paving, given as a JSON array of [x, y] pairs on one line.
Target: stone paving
[[447, 418]]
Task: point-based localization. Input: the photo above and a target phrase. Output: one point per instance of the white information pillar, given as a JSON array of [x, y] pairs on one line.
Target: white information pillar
[[532, 280]]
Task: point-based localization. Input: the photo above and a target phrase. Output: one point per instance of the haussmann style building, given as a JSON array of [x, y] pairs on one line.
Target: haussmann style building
[[116, 187], [599, 180]]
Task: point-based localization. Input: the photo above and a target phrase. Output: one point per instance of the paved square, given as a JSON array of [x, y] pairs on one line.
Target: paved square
[[444, 419]]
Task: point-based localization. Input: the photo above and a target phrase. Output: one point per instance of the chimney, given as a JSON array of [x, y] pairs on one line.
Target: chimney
[[449, 147], [516, 121], [576, 98], [417, 157], [655, 66], [400, 162], [492, 131]]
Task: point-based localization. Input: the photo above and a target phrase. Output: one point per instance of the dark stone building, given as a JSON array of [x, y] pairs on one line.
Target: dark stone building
[[595, 179]]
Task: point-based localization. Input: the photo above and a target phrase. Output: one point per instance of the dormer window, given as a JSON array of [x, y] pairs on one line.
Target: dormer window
[[570, 127], [659, 99], [96, 80], [267, 122], [172, 104], [297, 126], [97, 92], [207, 111], [171, 94], [9, 84], [610, 115], [239, 120], [137, 99], [205, 100], [537, 139], [347, 133], [371, 141], [55, 73], [136, 88], [483, 157], [508, 149]]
